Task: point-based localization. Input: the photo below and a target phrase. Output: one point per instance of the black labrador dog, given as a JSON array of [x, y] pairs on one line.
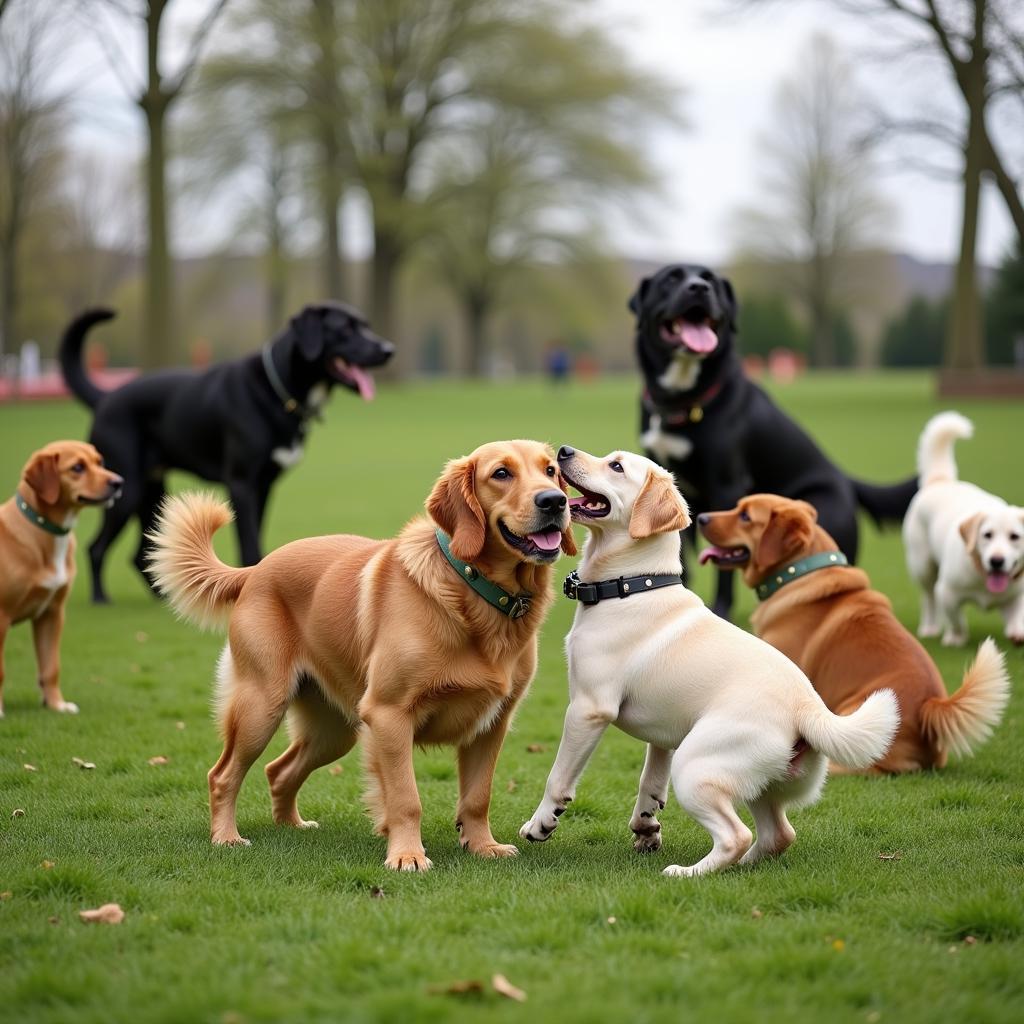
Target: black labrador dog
[[239, 423], [717, 432]]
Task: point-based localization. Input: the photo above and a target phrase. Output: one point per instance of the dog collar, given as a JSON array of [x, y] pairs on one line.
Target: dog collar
[[37, 520], [693, 413], [515, 606], [625, 586], [788, 573], [290, 403]]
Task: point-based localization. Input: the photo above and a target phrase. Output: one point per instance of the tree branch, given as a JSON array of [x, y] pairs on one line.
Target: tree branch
[[195, 47], [1006, 185]]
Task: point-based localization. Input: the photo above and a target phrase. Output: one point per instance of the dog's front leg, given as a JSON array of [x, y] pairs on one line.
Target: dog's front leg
[[651, 798], [390, 733], [246, 502], [951, 612], [585, 723], [476, 776], [1013, 617], [46, 631]]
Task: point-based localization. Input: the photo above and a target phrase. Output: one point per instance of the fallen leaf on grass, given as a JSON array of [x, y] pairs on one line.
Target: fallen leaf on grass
[[6, 895], [46, 865], [158, 760], [18, 812], [536, 748], [457, 988], [505, 988], [179, 725], [756, 912], [895, 855], [377, 893], [970, 940], [30, 767], [612, 920], [84, 765], [838, 945], [53, 920], [141, 637], [335, 769], [109, 913], [512, 785]]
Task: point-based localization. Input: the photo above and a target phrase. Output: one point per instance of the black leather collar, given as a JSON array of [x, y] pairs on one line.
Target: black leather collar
[[625, 586]]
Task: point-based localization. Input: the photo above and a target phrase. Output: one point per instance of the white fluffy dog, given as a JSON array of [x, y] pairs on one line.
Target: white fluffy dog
[[962, 543], [726, 715]]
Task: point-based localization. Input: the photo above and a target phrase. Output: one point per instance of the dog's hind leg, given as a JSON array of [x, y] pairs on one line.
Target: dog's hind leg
[[650, 799], [251, 712], [774, 832], [320, 734], [149, 506]]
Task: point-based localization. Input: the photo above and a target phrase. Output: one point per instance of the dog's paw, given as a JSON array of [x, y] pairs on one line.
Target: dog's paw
[[235, 840], [408, 860], [65, 707], [306, 824], [951, 639], [539, 828], [493, 850], [678, 871], [648, 836], [927, 632], [1015, 636]]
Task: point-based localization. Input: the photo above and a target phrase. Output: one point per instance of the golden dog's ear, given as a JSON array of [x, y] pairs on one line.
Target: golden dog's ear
[[659, 508], [809, 509], [454, 506], [43, 476], [568, 540], [969, 530], [789, 529]]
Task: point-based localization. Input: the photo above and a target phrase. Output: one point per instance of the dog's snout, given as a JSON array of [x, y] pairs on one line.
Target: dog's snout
[[565, 453], [550, 501], [116, 481], [699, 287], [703, 519], [996, 562], [386, 348]]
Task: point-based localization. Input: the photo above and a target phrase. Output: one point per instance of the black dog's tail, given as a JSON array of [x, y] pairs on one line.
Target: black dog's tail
[[71, 346], [885, 502]]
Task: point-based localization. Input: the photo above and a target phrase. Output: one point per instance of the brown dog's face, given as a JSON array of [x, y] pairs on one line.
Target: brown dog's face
[[70, 474], [507, 496], [761, 533]]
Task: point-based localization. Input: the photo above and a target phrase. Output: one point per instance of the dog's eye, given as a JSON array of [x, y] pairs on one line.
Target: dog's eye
[[501, 474], [988, 535], [551, 471], [78, 467], [616, 467], [1014, 536]]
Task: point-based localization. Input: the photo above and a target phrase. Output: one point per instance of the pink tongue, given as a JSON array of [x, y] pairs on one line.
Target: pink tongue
[[699, 338], [708, 553], [548, 540], [997, 582], [363, 381]]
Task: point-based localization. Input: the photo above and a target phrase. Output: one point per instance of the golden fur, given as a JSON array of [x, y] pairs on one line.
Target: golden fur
[[845, 636], [374, 637], [37, 568]]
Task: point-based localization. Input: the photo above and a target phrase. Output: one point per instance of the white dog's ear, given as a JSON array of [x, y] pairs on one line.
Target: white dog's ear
[[969, 530], [659, 508]]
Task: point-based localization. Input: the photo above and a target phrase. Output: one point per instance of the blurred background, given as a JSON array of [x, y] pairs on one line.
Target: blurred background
[[488, 180]]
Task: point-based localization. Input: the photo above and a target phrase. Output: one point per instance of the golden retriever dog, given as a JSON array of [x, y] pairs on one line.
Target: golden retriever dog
[[726, 717], [390, 639], [37, 550], [844, 635]]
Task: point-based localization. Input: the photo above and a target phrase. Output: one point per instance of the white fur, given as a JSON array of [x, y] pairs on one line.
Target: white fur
[[60, 575], [288, 457], [720, 709], [682, 373], [665, 447], [938, 559]]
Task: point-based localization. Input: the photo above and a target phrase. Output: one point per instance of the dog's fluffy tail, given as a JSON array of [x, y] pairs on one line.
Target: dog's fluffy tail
[[857, 740], [183, 564], [935, 460], [958, 723], [71, 365]]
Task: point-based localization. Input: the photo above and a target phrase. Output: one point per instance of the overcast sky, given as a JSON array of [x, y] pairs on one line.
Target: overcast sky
[[729, 65]]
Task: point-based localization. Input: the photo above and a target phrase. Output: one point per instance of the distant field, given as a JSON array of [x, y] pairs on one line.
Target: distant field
[[289, 929]]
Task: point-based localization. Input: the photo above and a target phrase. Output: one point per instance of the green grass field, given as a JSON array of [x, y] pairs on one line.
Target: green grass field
[[294, 928]]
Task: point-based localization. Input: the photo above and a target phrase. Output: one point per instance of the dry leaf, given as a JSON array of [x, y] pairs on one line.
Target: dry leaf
[[838, 945], [6, 895], [30, 767], [505, 988], [179, 725], [53, 920], [109, 913], [18, 812], [232, 1017], [158, 760], [895, 855], [335, 769], [873, 1017], [46, 865], [512, 785], [536, 748], [612, 920], [756, 912], [457, 988], [970, 940], [141, 637], [84, 765], [377, 893]]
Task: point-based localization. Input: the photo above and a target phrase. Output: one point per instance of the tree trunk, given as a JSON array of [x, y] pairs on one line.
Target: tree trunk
[[276, 268], [819, 300], [386, 256], [475, 309], [327, 111], [965, 344], [9, 287]]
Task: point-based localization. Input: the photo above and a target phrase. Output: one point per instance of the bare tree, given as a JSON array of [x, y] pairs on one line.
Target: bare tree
[[154, 97], [30, 124], [817, 206]]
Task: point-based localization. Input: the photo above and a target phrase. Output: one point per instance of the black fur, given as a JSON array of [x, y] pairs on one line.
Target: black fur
[[742, 443], [222, 424]]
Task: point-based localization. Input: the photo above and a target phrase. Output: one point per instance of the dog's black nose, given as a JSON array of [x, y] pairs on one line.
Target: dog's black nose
[[550, 501], [699, 287], [996, 562], [565, 452], [703, 519]]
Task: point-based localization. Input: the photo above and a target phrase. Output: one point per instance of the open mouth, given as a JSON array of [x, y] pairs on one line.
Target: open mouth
[[996, 581], [726, 558], [542, 544], [107, 499], [589, 505], [355, 378], [694, 330]]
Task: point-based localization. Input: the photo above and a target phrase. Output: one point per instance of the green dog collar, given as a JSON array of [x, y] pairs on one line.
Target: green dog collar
[[823, 560], [37, 520], [515, 607]]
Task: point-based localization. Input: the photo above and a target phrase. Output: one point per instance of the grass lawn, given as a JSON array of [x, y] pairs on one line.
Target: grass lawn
[[293, 928]]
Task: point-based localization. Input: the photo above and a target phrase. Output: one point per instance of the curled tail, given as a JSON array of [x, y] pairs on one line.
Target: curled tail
[[935, 461], [70, 355], [857, 740], [183, 564], [885, 503], [966, 718]]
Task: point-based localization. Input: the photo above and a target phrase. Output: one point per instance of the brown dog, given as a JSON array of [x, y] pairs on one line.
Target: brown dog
[[345, 632], [845, 636], [37, 550]]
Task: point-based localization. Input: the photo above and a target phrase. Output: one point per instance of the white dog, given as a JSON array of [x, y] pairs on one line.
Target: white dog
[[962, 543], [726, 715]]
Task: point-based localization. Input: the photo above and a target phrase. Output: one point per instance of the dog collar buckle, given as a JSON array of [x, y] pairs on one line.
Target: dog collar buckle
[[519, 607], [571, 586]]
